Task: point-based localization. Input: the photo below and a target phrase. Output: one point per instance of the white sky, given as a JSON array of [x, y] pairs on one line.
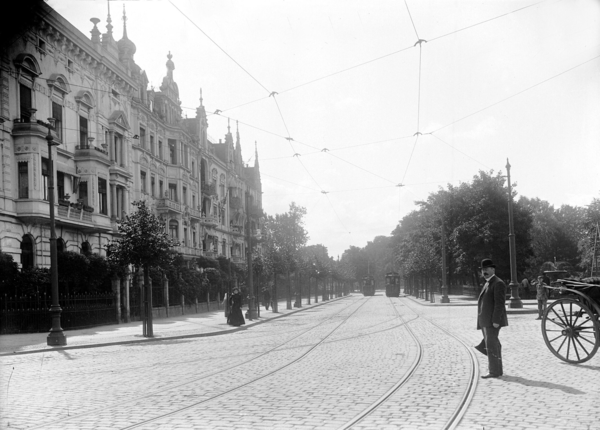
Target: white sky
[[497, 79]]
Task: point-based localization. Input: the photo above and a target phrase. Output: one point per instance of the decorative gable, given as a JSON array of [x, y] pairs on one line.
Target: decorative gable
[[119, 118]]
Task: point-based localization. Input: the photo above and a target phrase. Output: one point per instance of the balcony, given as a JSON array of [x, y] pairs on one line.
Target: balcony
[[209, 220], [195, 213], [166, 205], [237, 230], [212, 254], [37, 211], [71, 212], [188, 251], [91, 153]]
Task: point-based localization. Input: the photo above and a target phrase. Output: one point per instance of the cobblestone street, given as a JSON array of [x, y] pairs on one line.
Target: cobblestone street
[[408, 365]]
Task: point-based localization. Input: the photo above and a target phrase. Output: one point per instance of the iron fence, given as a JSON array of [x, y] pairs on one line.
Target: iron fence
[[31, 313]]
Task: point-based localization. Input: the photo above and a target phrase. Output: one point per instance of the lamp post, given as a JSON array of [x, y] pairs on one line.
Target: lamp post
[[56, 337], [445, 298], [515, 300], [251, 306]]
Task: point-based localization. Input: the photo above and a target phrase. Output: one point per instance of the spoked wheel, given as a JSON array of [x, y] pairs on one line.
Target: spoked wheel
[[571, 331]]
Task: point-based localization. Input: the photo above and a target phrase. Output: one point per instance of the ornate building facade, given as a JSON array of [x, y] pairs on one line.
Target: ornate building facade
[[118, 142]]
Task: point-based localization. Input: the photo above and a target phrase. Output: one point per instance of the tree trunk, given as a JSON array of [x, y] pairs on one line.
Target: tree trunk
[[289, 294], [275, 298], [148, 288]]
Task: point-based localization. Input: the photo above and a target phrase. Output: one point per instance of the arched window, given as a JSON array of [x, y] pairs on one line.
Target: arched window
[[61, 246], [86, 248], [27, 252]]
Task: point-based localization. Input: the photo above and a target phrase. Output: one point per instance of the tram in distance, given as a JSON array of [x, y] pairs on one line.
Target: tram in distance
[[368, 286], [392, 284]]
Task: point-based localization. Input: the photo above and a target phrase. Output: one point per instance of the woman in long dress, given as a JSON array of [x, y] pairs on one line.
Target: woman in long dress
[[236, 318]]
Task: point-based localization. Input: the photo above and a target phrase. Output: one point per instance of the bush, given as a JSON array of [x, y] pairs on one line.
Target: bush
[[9, 272]]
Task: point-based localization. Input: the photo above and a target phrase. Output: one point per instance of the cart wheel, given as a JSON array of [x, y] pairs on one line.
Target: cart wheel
[[571, 331]]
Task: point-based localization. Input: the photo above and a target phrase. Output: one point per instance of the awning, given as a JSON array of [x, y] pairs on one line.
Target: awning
[[65, 168]]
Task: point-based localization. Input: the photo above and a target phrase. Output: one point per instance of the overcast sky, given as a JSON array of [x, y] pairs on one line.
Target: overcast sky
[[369, 108]]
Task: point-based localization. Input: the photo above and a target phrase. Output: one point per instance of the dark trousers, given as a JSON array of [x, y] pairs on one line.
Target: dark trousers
[[494, 349]]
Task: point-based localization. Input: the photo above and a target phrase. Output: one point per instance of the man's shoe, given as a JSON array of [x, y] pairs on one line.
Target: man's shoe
[[490, 375], [538, 318], [481, 349]]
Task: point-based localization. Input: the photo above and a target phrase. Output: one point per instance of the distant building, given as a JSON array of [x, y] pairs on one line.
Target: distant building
[[119, 142]]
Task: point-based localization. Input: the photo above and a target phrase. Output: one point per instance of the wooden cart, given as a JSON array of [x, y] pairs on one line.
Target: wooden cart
[[571, 324]]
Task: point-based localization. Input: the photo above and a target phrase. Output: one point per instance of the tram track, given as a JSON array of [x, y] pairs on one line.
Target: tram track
[[188, 381], [251, 381], [458, 412]]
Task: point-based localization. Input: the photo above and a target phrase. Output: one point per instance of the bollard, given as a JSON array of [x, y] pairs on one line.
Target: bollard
[[432, 297]]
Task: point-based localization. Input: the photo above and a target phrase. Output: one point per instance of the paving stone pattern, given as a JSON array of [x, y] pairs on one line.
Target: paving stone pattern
[[314, 369]]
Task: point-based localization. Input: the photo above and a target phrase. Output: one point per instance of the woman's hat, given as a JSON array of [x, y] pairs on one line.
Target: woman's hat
[[486, 262]]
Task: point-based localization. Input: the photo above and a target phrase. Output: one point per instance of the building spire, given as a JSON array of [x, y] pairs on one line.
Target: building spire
[[109, 26], [124, 23], [201, 100]]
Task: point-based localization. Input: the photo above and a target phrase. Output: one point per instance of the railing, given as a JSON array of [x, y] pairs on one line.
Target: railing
[[195, 213], [168, 204], [30, 314], [237, 230], [74, 213], [209, 220]]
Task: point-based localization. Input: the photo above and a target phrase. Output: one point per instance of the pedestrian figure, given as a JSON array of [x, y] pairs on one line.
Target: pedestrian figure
[[491, 316], [235, 312], [541, 296], [266, 297]]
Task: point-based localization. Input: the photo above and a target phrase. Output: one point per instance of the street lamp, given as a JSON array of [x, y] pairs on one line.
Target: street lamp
[[56, 337], [252, 314], [515, 300], [445, 298]]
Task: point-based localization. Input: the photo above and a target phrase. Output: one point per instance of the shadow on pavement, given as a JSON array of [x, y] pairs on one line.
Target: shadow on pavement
[[583, 366], [541, 384]]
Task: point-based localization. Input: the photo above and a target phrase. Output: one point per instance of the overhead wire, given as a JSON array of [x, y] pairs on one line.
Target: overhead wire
[[388, 54], [218, 46], [515, 94]]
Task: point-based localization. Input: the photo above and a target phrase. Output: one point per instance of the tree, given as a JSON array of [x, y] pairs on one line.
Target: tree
[[9, 273], [283, 235], [589, 243], [144, 243]]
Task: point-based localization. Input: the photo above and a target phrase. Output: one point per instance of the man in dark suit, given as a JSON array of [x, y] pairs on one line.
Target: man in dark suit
[[491, 316]]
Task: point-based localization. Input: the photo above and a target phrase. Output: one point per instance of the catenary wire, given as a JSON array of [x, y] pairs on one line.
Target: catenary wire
[[387, 55], [217, 45], [515, 94]]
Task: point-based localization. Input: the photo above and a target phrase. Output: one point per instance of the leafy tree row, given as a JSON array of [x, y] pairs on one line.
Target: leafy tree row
[[476, 226]]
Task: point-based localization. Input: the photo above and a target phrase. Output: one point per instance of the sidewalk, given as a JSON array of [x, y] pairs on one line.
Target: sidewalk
[[184, 326], [210, 323], [529, 305]]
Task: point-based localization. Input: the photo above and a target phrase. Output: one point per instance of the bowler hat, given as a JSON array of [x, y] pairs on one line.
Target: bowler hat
[[486, 262]]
